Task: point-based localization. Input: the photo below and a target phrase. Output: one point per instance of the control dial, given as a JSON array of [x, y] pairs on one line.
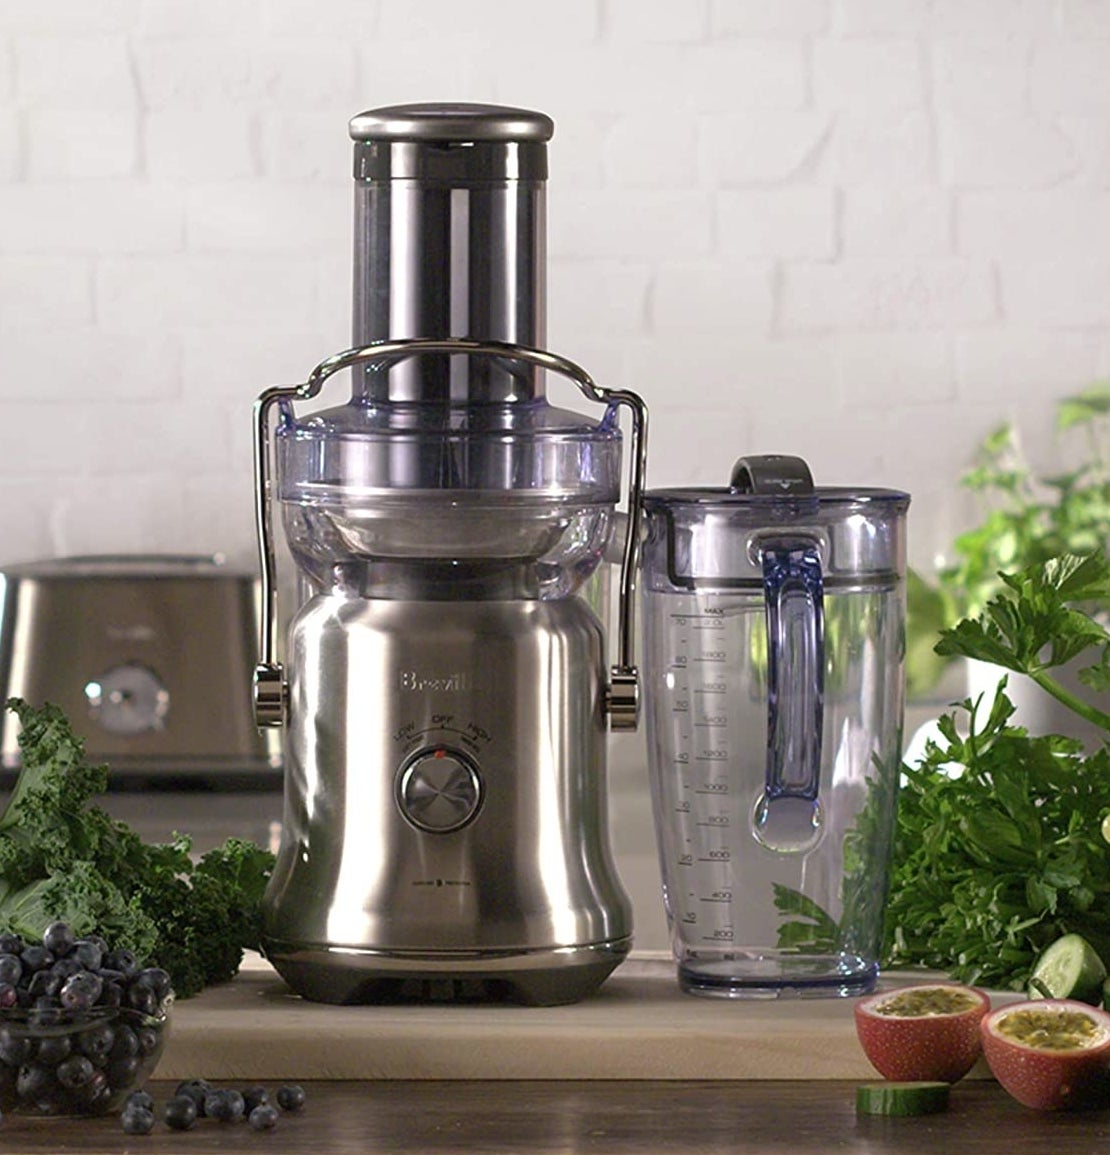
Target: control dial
[[439, 790], [128, 699]]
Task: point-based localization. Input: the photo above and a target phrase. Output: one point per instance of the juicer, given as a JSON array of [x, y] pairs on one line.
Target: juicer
[[444, 693]]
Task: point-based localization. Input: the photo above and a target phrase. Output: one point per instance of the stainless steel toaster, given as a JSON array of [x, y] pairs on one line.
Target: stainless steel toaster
[[149, 656]]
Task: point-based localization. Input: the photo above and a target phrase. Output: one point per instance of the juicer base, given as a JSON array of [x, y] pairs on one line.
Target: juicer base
[[537, 978]]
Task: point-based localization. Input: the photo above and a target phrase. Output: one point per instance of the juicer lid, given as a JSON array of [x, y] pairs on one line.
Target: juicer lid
[[451, 122]]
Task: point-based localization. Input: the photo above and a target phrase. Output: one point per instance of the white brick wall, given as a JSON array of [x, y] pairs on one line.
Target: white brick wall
[[863, 230]]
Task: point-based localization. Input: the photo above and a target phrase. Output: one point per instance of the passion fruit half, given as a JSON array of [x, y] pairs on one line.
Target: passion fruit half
[[926, 1032], [1050, 1054]]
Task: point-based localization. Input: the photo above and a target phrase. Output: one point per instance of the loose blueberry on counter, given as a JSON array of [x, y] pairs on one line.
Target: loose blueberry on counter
[[290, 1097], [137, 1121], [180, 1113], [264, 1117], [226, 1106], [254, 1096], [139, 1099], [195, 1089]]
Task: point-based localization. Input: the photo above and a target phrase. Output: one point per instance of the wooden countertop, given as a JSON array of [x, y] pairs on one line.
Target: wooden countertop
[[601, 1118], [639, 1025]]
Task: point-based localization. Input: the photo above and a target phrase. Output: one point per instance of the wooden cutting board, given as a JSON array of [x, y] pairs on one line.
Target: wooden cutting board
[[639, 1025]]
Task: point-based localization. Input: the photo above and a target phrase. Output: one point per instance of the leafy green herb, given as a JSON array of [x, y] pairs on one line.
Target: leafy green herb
[[61, 857], [807, 926], [1027, 520], [998, 848]]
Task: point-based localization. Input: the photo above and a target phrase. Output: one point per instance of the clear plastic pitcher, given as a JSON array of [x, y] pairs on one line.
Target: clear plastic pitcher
[[774, 630]]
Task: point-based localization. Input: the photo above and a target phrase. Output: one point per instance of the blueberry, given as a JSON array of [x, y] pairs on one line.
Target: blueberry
[[62, 969], [52, 1049], [11, 969], [80, 991], [121, 1072], [14, 1048], [255, 1096], [11, 943], [38, 983], [36, 958], [143, 998], [111, 995], [34, 1083], [195, 1089], [149, 1038], [9, 996], [123, 961], [180, 1113], [76, 1071], [97, 1042], [59, 938], [290, 1097], [137, 1121], [88, 953], [125, 1044], [226, 1106], [157, 979], [139, 1099], [264, 1117], [96, 1091]]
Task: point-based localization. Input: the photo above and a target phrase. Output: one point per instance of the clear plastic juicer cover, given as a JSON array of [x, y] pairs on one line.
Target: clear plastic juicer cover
[[513, 499]]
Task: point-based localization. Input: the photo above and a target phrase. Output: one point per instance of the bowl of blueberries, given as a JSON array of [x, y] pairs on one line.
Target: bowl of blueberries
[[81, 1025]]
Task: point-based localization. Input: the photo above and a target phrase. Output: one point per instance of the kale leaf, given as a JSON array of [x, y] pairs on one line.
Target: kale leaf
[[63, 857]]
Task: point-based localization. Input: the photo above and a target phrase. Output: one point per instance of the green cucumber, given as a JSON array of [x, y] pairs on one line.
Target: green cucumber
[[1069, 969], [902, 1098], [1106, 995]]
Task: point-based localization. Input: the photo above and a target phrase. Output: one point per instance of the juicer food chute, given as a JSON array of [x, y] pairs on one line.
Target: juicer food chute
[[444, 692]]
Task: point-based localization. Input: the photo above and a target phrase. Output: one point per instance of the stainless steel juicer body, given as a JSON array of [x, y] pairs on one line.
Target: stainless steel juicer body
[[445, 695]]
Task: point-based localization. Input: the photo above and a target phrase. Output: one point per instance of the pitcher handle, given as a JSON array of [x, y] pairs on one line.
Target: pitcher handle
[[787, 815]]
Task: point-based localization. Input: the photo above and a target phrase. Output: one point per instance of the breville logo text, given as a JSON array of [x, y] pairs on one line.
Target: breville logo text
[[442, 683]]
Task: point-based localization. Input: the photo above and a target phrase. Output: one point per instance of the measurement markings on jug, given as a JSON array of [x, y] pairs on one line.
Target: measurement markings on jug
[[714, 755], [718, 788], [716, 821]]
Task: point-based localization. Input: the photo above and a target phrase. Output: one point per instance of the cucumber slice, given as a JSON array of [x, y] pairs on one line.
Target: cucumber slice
[[902, 1098], [1069, 969]]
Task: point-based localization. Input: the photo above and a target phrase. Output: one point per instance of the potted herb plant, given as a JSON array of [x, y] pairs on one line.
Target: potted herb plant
[[1027, 520]]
